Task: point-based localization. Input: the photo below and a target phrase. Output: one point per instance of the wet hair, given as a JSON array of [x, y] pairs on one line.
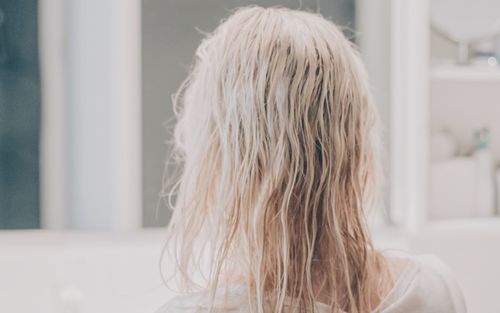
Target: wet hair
[[277, 139]]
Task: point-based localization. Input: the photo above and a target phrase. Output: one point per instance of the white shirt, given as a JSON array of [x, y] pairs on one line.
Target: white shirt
[[425, 285]]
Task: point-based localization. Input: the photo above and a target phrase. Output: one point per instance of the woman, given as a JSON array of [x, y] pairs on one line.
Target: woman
[[277, 134]]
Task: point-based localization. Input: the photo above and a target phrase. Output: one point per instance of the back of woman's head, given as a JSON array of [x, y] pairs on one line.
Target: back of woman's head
[[276, 135]]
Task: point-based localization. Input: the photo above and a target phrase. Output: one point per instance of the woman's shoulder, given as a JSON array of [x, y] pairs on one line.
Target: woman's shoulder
[[437, 275], [426, 285]]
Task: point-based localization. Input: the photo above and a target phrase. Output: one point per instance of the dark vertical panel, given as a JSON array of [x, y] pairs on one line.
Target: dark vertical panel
[[19, 116]]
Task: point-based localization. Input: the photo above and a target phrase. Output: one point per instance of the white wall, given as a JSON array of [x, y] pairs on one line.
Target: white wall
[[104, 91], [373, 25], [92, 96]]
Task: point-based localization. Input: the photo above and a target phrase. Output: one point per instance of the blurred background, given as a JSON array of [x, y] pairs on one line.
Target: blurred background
[[86, 120]]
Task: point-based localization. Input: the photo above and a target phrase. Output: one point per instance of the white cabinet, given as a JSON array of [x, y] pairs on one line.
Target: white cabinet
[[427, 98]]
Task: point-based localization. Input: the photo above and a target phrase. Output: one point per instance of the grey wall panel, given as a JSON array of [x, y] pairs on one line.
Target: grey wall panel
[[169, 41]]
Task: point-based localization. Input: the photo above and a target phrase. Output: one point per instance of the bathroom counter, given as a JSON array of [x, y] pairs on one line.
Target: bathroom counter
[[119, 272]]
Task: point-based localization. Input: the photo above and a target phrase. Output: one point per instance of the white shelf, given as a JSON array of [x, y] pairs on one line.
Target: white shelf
[[465, 73]]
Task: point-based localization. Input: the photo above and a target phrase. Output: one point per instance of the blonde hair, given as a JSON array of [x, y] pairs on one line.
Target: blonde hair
[[276, 135]]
